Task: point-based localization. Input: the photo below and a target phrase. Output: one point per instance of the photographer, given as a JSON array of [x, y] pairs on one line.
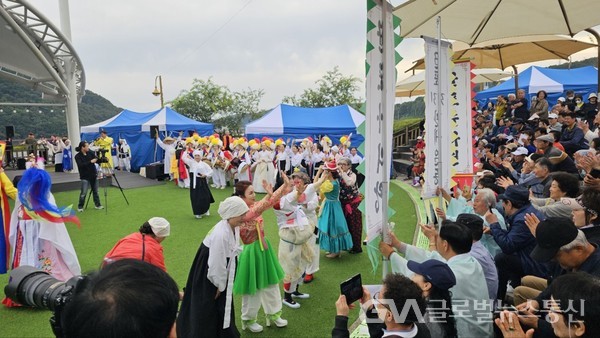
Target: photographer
[[128, 298], [86, 164]]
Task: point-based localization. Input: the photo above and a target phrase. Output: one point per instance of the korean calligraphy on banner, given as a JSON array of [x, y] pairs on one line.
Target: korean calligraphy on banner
[[462, 143], [381, 59], [437, 124]]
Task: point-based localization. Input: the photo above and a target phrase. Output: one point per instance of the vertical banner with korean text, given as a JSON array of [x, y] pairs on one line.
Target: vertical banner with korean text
[[381, 59], [461, 140], [438, 154]]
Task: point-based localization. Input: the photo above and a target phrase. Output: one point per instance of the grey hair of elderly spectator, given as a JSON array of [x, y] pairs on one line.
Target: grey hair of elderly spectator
[[488, 195], [580, 241], [345, 160]]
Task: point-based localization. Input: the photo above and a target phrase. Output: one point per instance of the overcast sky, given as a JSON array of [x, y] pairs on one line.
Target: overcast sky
[[281, 47]]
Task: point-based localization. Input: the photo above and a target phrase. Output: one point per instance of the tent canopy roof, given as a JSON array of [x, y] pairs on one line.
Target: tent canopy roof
[[286, 119], [165, 118]]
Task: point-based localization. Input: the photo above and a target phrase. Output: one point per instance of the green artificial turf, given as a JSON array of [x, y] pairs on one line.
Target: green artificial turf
[[100, 230]]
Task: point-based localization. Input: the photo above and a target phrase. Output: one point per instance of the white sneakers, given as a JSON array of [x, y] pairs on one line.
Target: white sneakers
[[279, 322], [198, 216], [291, 303], [300, 295], [99, 207], [254, 327]]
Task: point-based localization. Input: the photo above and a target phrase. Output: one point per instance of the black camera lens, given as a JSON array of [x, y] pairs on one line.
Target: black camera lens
[[32, 287]]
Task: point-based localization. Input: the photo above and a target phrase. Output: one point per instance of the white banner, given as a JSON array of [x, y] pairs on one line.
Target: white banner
[[462, 145], [437, 125], [380, 82]]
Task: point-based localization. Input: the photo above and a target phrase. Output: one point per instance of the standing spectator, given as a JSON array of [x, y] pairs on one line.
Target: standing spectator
[[540, 107], [500, 109], [520, 106], [590, 110], [517, 242], [105, 143], [86, 164]]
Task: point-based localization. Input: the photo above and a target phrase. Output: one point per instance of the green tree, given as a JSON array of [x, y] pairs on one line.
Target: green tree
[[333, 89], [207, 101]]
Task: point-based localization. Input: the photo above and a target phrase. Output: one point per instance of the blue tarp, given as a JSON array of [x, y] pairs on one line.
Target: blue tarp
[[582, 80], [290, 122], [135, 128]]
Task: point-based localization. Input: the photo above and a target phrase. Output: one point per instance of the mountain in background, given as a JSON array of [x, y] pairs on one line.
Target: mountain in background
[[46, 121], [416, 108]]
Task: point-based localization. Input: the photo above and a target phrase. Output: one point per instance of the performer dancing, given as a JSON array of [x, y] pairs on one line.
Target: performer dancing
[[263, 167], [7, 190], [200, 194], [168, 145], [296, 229], [38, 236], [124, 155], [259, 272], [334, 236], [207, 307], [350, 199]]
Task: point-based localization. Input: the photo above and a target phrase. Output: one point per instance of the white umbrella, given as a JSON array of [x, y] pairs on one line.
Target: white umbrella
[[415, 84], [474, 21]]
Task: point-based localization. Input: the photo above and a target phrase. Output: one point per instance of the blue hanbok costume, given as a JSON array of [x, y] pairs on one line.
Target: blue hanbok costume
[[333, 229], [67, 162]]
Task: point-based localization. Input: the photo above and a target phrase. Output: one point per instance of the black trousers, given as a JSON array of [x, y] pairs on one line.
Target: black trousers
[[509, 269]]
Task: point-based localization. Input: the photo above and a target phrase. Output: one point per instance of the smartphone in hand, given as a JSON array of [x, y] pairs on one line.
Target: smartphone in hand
[[352, 289]]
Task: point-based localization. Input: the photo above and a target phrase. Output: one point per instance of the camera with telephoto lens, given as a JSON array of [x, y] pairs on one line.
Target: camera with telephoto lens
[[102, 155], [32, 287]]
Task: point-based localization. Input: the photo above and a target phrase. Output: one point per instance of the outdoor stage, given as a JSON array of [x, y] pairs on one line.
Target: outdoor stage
[[62, 181]]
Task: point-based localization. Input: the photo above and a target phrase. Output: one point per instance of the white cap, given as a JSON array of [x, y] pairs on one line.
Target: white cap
[[533, 117], [520, 151], [160, 226], [592, 95], [561, 99], [552, 116], [335, 149], [419, 137]]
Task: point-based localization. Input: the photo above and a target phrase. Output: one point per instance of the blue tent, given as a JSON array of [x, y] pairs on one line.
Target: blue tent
[[135, 128], [555, 82], [290, 122]]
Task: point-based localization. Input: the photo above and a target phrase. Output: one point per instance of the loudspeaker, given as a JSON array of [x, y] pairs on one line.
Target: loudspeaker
[[10, 132], [154, 171], [58, 167], [153, 131], [21, 163]]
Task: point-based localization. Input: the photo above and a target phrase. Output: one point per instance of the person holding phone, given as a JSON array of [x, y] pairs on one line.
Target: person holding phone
[[397, 292]]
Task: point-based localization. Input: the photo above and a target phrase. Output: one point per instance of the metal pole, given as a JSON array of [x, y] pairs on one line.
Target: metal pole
[[72, 111], [438, 135], [597, 36], [162, 101], [384, 144]]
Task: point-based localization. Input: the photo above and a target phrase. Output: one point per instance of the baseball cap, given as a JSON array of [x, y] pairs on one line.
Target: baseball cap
[[551, 234], [436, 272], [419, 137], [561, 99], [572, 203], [520, 151], [511, 146], [547, 138], [160, 226], [552, 116], [515, 193]]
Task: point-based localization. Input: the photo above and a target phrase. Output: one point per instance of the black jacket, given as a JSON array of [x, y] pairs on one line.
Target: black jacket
[[87, 169]]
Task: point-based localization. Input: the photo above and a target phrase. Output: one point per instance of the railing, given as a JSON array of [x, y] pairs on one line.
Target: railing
[[403, 136]]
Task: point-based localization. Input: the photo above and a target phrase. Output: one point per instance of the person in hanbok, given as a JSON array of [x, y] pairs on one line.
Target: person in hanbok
[[67, 154], [296, 220], [38, 236], [200, 194], [243, 169], [124, 155], [263, 167], [350, 198], [207, 307], [259, 272], [484, 201], [218, 160], [168, 145], [7, 190], [334, 236], [105, 143]]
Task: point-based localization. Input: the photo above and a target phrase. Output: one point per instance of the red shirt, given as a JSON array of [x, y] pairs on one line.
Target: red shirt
[[132, 246]]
